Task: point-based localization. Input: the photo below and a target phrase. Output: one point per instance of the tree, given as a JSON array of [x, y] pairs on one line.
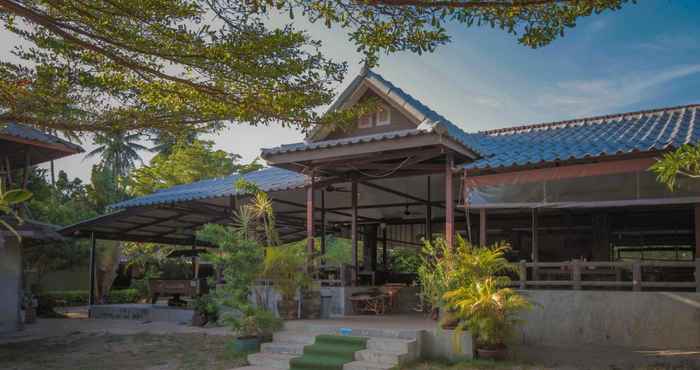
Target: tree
[[171, 64], [118, 150], [683, 162], [188, 162]]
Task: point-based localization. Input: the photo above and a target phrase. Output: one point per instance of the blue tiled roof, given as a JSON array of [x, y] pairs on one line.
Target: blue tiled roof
[[30, 133], [268, 179], [643, 131]]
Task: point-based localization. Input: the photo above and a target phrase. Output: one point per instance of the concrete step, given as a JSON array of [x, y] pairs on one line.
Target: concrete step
[[283, 347], [365, 365], [393, 345], [356, 331], [379, 357], [253, 368], [270, 360], [298, 337]]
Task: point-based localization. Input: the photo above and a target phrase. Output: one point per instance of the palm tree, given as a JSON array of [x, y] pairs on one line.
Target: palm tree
[[164, 141], [118, 150]]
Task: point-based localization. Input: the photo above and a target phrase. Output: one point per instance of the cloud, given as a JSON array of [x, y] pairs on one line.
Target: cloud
[[669, 43], [583, 97]]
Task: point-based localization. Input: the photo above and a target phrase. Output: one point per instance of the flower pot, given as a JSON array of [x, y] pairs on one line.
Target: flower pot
[[30, 315], [495, 353], [288, 309], [246, 344], [199, 319]]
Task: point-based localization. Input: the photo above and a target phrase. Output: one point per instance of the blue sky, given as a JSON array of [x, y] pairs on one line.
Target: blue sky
[[643, 56]]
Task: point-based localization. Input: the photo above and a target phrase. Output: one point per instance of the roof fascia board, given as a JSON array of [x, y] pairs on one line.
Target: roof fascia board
[[426, 139], [58, 147]]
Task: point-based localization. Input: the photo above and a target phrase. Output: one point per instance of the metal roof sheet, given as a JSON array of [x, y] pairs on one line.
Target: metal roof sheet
[[29, 133], [268, 179]]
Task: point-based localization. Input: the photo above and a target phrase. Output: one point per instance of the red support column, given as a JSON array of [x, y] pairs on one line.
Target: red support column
[[697, 231], [482, 227], [353, 232], [310, 215], [449, 202]]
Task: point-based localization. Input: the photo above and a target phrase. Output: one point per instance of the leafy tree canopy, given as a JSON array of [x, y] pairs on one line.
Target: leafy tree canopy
[[187, 163], [183, 64], [678, 164]]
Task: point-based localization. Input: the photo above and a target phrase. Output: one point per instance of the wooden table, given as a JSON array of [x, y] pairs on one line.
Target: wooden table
[[369, 303]]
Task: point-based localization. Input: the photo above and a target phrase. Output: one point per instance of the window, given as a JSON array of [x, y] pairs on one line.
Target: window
[[382, 117], [366, 121]]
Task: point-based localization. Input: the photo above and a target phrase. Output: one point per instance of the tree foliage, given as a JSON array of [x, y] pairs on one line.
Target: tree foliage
[[186, 163], [683, 162], [184, 64], [118, 150]]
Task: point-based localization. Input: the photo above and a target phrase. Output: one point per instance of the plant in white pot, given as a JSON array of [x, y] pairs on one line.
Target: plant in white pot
[[482, 301]]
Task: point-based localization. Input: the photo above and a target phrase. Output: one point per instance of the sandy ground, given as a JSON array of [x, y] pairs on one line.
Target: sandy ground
[[64, 344]]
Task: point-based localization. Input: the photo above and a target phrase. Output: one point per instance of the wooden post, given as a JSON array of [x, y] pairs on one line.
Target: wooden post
[[353, 231], [310, 215], [636, 276], [522, 272], [697, 275], [385, 256], [697, 231], [482, 227], [91, 299], [449, 202], [428, 214], [535, 250], [576, 274], [323, 222]]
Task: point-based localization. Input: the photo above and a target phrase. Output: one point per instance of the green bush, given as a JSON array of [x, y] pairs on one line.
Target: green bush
[[81, 297]]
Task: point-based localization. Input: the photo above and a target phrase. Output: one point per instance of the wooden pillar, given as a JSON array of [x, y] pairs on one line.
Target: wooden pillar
[[195, 268], [353, 231], [482, 227], [370, 247], [385, 256], [449, 202], [91, 299], [428, 213], [323, 222], [697, 231], [310, 215], [636, 276], [535, 252]]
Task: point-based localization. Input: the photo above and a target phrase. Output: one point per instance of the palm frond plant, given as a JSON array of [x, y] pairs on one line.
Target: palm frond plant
[[285, 267], [9, 199], [480, 298]]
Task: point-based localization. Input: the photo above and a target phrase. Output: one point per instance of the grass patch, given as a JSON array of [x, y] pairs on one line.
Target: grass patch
[[82, 351]]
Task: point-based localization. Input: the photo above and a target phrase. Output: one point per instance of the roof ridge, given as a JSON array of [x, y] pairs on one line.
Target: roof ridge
[[515, 129]]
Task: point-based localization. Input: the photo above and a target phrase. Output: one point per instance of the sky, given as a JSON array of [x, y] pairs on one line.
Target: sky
[[641, 57]]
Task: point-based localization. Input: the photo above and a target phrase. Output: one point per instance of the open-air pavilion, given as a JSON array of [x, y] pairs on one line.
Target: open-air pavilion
[[574, 199]]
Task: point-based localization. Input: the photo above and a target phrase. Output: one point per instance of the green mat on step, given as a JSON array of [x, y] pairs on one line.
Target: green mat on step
[[329, 352]]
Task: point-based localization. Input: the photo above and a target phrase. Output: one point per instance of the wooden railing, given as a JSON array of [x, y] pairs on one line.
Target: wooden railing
[[578, 274]]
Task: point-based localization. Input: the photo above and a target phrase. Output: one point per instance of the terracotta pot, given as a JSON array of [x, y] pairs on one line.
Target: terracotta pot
[[496, 353], [288, 309], [199, 319]]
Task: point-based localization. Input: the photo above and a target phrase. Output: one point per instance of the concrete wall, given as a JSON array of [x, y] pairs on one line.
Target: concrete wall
[[661, 320], [10, 278]]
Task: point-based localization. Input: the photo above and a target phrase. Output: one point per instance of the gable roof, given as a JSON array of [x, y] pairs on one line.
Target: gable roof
[[268, 179], [24, 132], [430, 122], [610, 135]]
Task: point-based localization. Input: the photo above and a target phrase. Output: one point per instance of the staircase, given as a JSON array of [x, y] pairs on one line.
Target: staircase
[[383, 349]]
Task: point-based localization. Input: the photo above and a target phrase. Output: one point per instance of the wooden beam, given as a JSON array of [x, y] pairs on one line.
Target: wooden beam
[[294, 204], [449, 201], [399, 193], [561, 173], [93, 251], [323, 222], [535, 244], [353, 231]]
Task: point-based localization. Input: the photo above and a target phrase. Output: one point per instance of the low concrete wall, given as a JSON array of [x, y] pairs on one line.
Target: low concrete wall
[[438, 344], [655, 320], [141, 312], [10, 277]]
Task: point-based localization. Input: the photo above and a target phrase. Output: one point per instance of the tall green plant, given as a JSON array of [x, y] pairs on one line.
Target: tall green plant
[[8, 201], [285, 266]]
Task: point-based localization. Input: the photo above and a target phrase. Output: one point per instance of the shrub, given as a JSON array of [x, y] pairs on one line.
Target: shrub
[[69, 298]]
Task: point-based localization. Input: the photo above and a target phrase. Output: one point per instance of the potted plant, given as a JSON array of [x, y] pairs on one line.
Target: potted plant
[[252, 326], [482, 301], [285, 266], [205, 310], [436, 278]]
